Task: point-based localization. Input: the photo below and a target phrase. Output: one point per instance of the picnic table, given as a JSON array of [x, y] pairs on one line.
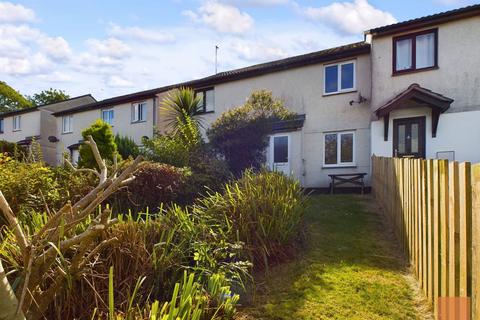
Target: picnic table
[[343, 178]]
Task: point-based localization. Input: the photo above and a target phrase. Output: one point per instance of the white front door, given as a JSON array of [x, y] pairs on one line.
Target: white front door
[[280, 153]]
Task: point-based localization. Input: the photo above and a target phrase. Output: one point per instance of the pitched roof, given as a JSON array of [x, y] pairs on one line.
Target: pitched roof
[[55, 106], [418, 94], [461, 13], [237, 74]]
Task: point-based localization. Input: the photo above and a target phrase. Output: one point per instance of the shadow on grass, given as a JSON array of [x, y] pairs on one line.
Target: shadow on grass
[[350, 269]]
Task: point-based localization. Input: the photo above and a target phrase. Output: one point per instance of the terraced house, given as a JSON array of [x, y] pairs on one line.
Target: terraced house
[[409, 89]]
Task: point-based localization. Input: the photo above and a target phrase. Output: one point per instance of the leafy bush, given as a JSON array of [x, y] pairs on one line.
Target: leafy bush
[[27, 186], [12, 149], [264, 210], [161, 249], [240, 134], [154, 184], [126, 147], [103, 136]]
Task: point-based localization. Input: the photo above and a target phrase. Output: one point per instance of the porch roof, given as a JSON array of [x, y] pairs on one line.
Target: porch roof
[[415, 96], [289, 125]]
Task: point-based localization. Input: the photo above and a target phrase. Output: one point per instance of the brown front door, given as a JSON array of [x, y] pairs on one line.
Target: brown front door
[[409, 137]]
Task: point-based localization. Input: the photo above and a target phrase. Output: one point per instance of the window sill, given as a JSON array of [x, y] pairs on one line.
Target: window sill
[[338, 92], [205, 112], [18, 130], [67, 132], [141, 121], [401, 73], [339, 166]]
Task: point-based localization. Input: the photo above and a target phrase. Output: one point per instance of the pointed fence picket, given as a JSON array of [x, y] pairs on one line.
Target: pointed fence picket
[[434, 208]]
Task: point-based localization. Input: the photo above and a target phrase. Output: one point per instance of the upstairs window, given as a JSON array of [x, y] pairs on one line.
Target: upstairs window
[[67, 124], [415, 51], [1, 126], [207, 100], [339, 149], [107, 116], [17, 123], [139, 112], [339, 77]]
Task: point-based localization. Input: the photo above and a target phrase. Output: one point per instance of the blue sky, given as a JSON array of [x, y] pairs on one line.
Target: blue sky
[[109, 48]]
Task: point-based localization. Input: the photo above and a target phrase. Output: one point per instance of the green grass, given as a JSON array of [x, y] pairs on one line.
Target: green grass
[[350, 269]]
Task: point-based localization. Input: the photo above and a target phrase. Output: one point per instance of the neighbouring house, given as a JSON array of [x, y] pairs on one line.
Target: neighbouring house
[[426, 87], [37, 124], [410, 89]]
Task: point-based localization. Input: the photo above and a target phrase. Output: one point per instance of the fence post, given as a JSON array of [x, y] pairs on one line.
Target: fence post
[[476, 242]]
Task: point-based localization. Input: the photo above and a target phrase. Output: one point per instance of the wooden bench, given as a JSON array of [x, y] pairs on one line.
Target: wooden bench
[[352, 178]]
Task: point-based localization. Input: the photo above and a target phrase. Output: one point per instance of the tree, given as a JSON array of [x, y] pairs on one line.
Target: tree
[[103, 136], [240, 134], [181, 106], [10, 99], [48, 96], [61, 249]]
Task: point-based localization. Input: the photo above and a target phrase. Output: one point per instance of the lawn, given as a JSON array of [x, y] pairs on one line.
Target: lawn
[[350, 269]]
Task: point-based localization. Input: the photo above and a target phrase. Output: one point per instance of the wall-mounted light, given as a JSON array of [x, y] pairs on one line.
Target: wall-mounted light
[[53, 139], [361, 99]]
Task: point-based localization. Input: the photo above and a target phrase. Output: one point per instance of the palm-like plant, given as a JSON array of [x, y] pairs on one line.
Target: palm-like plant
[[181, 108]]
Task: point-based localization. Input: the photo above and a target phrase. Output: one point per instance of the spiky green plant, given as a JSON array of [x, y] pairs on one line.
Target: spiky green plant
[[179, 106]]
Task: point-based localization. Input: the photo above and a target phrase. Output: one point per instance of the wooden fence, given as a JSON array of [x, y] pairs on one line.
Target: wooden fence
[[434, 207]]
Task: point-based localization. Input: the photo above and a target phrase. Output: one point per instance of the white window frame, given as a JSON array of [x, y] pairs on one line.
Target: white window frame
[[2, 125], [339, 77], [108, 110], [15, 127], [137, 114], [339, 149], [70, 124]]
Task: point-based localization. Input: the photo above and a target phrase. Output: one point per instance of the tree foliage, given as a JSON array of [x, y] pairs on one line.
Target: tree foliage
[[102, 133], [240, 134], [10, 99], [48, 96], [126, 147]]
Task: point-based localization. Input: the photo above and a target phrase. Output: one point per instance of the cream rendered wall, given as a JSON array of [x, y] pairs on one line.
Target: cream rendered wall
[[48, 128], [302, 91], [29, 125], [122, 124], [458, 132], [457, 77], [458, 73]]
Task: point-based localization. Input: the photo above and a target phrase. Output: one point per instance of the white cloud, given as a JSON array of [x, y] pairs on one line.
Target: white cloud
[[222, 17], [35, 64], [259, 3], [141, 34], [56, 76], [350, 17], [10, 12], [111, 47], [116, 81], [56, 47], [258, 51]]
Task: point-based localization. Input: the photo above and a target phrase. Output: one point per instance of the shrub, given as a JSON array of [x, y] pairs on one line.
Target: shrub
[[154, 184], [161, 249], [102, 133], [28, 186], [12, 149], [126, 147], [264, 210], [240, 134]]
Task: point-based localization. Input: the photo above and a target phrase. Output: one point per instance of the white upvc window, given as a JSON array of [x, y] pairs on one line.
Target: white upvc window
[[339, 149], [108, 116], [67, 124], [2, 125], [139, 112], [17, 123], [339, 77]]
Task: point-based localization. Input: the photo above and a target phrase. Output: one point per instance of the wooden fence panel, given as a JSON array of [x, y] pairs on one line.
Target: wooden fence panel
[[434, 208]]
